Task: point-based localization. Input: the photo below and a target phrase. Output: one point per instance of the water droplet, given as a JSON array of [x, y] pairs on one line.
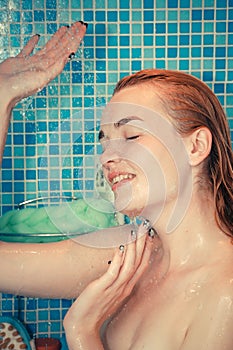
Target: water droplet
[[193, 290]]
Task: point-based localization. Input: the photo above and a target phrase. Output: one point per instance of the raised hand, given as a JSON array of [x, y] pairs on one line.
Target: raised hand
[[26, 74], [102, 297]]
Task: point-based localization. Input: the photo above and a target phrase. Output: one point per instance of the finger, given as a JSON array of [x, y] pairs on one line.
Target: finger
[[140, 244], [72, 39], [73, 36], [121, 268], [52, 43], [113, 271], [128, 266], [65, 41], [55, 54], [29, 47], [134, 254], [132, 266], [144, 263]]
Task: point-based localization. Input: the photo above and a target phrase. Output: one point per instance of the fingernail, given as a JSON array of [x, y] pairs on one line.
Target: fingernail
[[146, 224], [122, 248], [72, 55], [151, 233], [133, 234], [84, 23]]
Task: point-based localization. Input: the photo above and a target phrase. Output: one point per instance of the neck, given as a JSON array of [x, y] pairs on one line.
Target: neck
[[196, 239]]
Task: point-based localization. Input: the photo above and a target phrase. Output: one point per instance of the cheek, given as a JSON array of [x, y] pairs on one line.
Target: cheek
[[156, 176], [105, 173], [167, 164], [171, 175]]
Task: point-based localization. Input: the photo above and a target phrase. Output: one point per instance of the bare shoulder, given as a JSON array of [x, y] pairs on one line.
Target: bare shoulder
[[223, 274], [219, 292], [212, 325], [221, 297]]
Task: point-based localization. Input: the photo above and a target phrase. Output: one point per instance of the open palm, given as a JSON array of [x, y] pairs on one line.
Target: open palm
[[26, 74]]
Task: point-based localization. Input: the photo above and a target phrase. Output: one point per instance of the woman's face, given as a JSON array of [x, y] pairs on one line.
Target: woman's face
[[139, 152]]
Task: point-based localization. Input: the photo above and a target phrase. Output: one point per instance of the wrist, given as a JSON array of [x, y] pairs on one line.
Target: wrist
[[81, 335], [84, 340], [6, 107], [8, 96]]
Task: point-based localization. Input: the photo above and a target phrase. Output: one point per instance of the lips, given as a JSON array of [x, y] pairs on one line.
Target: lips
[[116, 179]]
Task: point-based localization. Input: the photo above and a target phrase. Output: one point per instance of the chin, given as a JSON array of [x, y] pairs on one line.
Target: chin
[[130, 211], [129, 201]]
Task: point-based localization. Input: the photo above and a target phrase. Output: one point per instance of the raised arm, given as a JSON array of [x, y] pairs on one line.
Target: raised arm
[[56, 269], [25, 74]]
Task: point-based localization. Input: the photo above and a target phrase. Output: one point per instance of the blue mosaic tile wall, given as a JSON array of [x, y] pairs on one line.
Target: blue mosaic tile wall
[[51, 146]]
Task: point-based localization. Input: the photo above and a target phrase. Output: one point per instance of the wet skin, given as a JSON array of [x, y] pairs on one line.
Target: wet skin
[[184, 299]]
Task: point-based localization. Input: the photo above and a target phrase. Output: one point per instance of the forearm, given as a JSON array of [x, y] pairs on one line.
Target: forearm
[[32, 269], [5, 115], [55, 270]]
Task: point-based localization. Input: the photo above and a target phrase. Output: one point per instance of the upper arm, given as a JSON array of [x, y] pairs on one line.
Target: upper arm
[[212, 327]]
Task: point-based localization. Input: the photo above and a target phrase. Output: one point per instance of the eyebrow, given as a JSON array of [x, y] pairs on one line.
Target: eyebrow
[[121, 122]]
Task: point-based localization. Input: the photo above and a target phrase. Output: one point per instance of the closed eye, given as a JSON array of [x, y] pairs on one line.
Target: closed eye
[[132, 137]]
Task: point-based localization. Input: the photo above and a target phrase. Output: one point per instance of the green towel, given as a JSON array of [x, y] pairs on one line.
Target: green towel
[[80, 216]]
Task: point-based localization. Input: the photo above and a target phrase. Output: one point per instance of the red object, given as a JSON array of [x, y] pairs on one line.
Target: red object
[[47, 344]]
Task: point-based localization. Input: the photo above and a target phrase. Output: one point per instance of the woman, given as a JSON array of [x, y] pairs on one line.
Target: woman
[[165, 141], [183, 299]]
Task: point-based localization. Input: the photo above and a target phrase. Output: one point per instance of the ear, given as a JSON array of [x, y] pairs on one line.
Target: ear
[[199, 145]]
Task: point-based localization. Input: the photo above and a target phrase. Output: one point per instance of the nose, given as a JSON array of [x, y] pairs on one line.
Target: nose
[[112, 151]]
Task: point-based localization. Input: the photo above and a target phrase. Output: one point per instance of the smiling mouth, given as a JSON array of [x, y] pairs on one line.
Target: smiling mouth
[[121, 178]]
